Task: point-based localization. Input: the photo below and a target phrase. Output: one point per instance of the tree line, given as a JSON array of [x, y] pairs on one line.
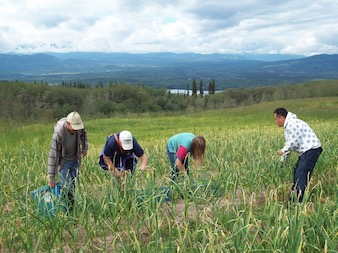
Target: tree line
[[100, 84], [27, 102]]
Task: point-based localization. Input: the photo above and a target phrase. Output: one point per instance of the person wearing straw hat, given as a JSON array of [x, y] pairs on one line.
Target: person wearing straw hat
[[69, 144]]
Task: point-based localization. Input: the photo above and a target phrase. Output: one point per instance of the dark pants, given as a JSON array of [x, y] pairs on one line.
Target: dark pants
[[174, 170], [124, 163], [303, 171]]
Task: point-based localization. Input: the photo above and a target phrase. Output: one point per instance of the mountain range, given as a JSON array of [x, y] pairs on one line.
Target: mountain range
[[168, 70]]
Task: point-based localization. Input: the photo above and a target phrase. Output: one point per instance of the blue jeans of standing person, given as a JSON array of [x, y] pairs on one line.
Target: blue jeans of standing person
[[174, 170], [303, 171], [67, 174]]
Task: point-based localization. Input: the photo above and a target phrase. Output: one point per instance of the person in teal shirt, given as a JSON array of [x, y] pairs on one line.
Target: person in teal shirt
[[179, 147]]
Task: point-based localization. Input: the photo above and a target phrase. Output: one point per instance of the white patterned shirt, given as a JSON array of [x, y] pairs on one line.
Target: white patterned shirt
[[299, 136]]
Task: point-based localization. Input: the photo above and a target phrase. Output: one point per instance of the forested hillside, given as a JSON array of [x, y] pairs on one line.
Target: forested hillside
[[22, 102]]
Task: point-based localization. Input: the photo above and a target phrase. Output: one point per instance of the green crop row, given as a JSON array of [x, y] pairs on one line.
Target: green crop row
[[235, 202]]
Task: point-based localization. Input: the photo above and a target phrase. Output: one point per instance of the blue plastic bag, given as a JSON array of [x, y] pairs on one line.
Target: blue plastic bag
[[49, 200]]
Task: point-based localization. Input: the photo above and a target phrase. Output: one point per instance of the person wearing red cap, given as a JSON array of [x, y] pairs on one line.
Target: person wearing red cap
[[69, 144]]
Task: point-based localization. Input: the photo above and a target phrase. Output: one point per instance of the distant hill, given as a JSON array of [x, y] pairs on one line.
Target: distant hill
[[168, 69]]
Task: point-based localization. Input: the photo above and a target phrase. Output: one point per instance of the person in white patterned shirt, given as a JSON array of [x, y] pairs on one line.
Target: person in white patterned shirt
[[299, 137]]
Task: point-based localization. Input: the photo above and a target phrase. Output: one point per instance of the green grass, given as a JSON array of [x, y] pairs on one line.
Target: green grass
[[234, 203]]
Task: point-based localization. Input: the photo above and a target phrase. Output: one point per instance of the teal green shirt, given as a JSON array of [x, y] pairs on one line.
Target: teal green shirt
[[182, 139]]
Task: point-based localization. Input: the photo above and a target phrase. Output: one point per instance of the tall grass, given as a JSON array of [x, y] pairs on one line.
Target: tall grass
[[236, 202]]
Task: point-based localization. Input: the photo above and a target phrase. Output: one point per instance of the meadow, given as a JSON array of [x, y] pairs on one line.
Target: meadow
[[235, 202]]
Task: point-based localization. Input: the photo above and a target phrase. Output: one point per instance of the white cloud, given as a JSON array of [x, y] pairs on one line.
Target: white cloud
[[255, 26]]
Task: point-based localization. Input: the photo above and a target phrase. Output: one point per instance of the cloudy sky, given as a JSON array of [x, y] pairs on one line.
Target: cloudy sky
[[304, 27]]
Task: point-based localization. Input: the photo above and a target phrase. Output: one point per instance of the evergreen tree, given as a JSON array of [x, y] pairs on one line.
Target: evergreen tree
[[201, 88], [101, 84], [212, 87], [194, 88]]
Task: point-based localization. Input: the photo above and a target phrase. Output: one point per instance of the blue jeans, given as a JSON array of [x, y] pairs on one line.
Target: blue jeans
[[303, 171], [174, 170], [67, 174]]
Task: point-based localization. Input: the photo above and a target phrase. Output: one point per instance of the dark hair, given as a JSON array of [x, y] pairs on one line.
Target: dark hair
[[281, 112], [198, 147]]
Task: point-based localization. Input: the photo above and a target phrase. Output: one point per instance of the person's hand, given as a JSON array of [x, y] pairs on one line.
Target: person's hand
[[280, 152], [52, 184], [115, 172], [143, 167]]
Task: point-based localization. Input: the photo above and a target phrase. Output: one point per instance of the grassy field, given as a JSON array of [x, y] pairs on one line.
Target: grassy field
[[235, 203]]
